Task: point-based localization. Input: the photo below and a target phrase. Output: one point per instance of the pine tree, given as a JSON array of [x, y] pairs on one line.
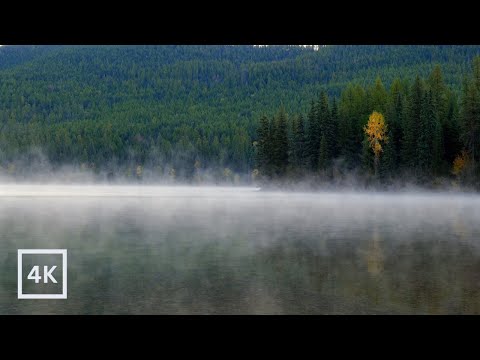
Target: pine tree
[[264, 147], [426, 128], [335, 129], [351, 113], [438, 149], [476, 72], [327, 131], [299, 142], [388, 161], [313, 137], [440, 103], [292, 124], [378, 97], [395, 120], [451, 132], [323, 157], [280, 143], [471, 120], [439, 93], [411, 125]]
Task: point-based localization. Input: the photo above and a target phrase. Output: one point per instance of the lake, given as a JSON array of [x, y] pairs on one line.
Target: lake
[[217, 250]]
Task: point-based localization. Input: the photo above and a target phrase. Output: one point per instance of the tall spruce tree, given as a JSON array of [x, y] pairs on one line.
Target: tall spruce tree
[[388, 161], [438, 149], [440, 100], [471, 119], [476, 72], [299, 143], [439, 93], [335, 129], [395, 120], [378, 97], [280, 143], [327, 132], [353, 115], [426, 128], [264, 147], [411, 125], [313, 137], [323, 156], [451, 132]]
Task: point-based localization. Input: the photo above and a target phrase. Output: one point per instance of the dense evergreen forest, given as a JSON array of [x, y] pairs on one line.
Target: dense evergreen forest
[[419, 131], [194, 111]]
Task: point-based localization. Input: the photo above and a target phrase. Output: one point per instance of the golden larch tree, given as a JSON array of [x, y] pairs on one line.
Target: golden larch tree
[[376, 131], [460, 163]]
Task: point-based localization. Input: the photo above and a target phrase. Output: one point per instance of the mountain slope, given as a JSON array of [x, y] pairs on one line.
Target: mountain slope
[[97, 103]]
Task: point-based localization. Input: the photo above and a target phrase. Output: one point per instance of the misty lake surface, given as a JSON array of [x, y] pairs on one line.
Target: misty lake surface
[[215, 250]]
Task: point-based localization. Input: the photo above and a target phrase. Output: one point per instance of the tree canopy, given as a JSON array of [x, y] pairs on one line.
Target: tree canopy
[[183, 109]]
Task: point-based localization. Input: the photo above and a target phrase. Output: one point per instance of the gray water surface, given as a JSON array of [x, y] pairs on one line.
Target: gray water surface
[[194, 250]]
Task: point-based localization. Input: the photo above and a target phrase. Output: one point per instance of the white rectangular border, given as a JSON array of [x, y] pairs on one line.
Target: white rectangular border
[[62, 252]]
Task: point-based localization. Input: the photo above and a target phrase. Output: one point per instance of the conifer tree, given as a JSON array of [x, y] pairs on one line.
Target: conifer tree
[[351, 110], [264, 147], [439, 93], [476, 72], [335, 129], [438, 149], [327, 131], [299, 143], [313, 137], [378, 96], [411, 125], [323, 157], [280, 143], [451, 131], [471, 120], [395, 119], [426, 127], [388, 161]]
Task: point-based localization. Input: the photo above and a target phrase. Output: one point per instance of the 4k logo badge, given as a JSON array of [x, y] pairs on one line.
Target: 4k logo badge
[[47, 275]]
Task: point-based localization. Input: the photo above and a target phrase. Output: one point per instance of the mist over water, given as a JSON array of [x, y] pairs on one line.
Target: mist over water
[[220, 250]]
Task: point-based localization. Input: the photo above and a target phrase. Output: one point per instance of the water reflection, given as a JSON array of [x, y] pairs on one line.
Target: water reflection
[[241, 252]]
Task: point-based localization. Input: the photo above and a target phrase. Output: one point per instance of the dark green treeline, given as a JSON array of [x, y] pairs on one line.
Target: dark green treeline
[[433, 133], [194, 110]]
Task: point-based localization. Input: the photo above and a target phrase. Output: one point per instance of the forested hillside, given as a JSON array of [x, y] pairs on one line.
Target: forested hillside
[[418, 132], [183, 109]]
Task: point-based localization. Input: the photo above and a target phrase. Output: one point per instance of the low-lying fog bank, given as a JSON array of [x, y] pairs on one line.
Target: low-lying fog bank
[[240, 250]]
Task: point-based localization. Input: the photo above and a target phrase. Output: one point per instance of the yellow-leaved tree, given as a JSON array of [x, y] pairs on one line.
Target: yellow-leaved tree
[[460, 163], [376, 131]]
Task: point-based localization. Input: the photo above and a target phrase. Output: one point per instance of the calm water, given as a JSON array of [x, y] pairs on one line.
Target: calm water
[[161, 250]]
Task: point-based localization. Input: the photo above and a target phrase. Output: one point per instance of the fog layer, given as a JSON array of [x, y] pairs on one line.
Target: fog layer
[[219, 250]]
